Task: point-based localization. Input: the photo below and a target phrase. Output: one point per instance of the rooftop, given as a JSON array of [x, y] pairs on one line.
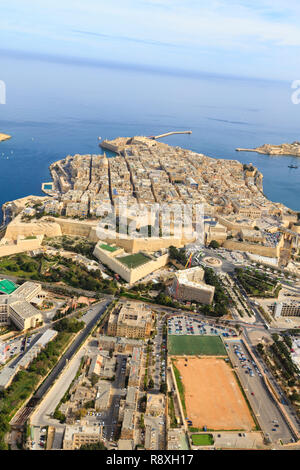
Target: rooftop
[[7, 287]]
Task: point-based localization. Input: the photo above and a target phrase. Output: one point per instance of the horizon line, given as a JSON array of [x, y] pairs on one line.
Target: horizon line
[[142, 68]]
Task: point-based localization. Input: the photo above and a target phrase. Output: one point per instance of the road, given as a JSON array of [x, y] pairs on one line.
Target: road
[[96, 312], [287, 405], [42, 417], [91, 320], [261, 400], [52, 285]]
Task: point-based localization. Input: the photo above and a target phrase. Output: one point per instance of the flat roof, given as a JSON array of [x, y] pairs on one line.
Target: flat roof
[[24, 309], [27, 288], [106, 247], [8, 287]]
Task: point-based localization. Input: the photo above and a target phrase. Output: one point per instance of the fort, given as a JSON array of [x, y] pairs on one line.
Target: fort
[[283, 149]]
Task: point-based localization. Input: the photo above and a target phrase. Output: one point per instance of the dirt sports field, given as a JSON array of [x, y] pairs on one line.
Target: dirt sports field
[[212, 395]]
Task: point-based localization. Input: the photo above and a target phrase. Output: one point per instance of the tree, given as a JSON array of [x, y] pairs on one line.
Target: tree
[[260, 348], [214, 244], [95, 446], [150, 383], [94, 379], [81, 413]]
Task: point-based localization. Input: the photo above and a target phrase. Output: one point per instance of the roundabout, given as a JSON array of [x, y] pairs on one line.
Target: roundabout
[[212, 262]]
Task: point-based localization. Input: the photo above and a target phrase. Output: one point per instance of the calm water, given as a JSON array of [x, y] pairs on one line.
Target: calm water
[[54, 110]]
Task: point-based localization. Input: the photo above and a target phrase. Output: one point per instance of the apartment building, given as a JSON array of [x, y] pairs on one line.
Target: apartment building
[[132, 320], [285, 309], [76, 436], [17, 307], [189, 285]]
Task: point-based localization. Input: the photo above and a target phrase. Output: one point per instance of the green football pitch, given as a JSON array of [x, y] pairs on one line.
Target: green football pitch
[[135, 260], [202, 439], [196, 345]]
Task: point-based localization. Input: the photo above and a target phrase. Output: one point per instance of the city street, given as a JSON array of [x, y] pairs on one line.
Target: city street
[[261, 401]]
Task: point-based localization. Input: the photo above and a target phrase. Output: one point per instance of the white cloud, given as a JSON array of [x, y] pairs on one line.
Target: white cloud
[[157, 29]]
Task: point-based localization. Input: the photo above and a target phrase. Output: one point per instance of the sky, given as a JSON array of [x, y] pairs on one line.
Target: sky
[[243, 38]]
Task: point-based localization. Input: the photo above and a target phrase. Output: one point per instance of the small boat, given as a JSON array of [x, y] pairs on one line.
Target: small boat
[[293, 166]]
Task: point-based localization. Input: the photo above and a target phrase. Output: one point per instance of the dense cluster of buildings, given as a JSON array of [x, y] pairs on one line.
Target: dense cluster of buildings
[[147, 172], [225, 194], [80, 185]]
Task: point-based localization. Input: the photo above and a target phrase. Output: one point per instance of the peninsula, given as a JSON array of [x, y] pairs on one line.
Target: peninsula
[[283, 149], [4, 137], [148, 172]]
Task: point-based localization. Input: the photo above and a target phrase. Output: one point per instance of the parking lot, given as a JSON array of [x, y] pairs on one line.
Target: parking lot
[[13, 348], [38, 436], [183, 325]]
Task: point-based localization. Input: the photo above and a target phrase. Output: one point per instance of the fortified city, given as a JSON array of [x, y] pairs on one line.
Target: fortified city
[[149, 268], [165, 324]]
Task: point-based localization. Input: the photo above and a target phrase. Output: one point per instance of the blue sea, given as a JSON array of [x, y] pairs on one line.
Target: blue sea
[[58, 109]]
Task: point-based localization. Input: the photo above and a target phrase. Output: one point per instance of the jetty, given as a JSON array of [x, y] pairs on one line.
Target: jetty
[[166, 134], [246, 150]]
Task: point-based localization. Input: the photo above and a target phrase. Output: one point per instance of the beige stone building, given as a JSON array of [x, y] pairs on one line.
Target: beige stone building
[[131, 267], [189, 285], [285, 309], [122, 345], [216, 232], [155, 404], [24, 315], [135, 368], [128, 426], [76, 436], [132, 320], [17, 307]]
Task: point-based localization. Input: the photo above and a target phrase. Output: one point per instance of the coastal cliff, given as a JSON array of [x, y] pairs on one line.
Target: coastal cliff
[[283, 149]]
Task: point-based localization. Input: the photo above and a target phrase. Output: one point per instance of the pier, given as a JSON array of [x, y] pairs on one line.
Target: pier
[[246, 150], [169, 133]]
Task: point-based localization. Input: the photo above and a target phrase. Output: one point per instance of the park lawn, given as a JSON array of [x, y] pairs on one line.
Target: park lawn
[[202, 439], [11, 265], [190, 345]]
